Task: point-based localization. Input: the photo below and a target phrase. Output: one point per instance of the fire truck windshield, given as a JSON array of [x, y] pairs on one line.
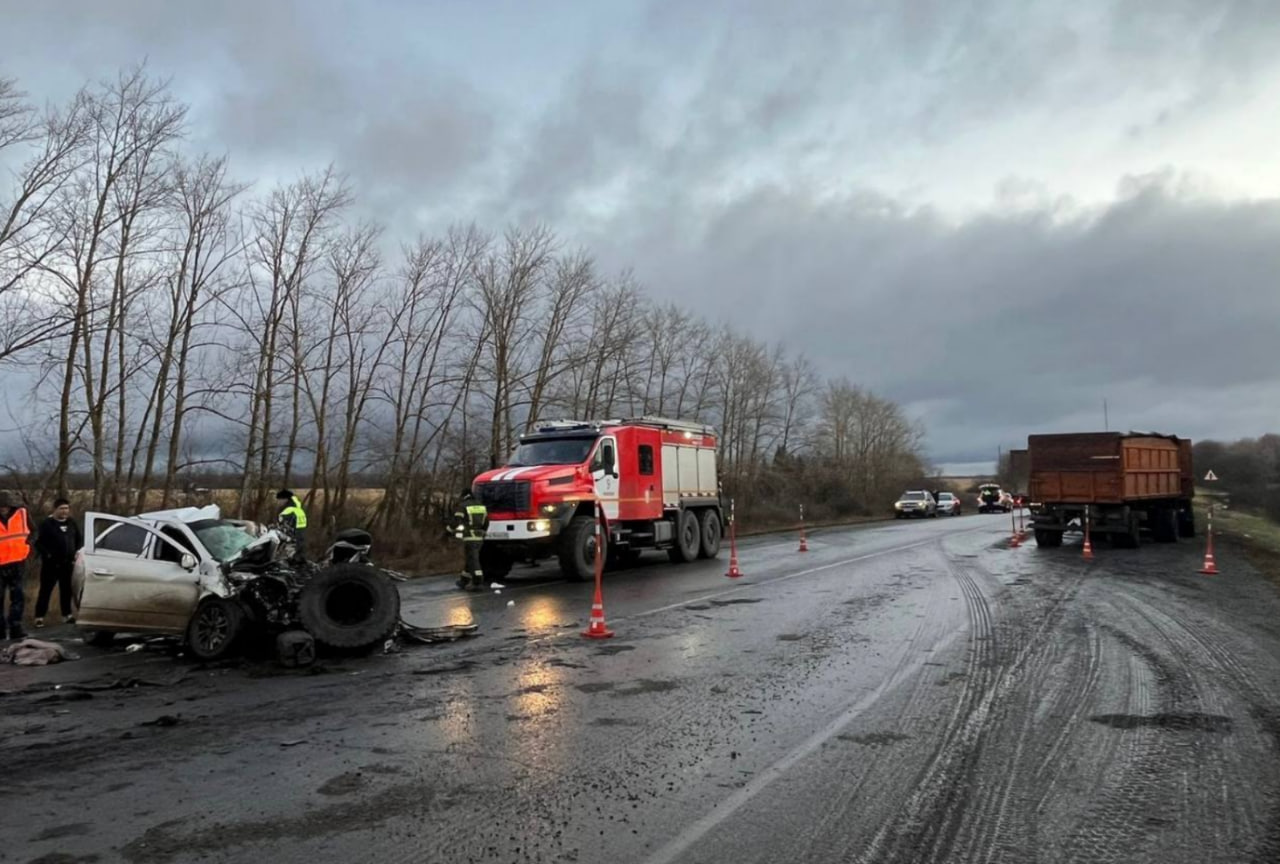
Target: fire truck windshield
[[551, 451]]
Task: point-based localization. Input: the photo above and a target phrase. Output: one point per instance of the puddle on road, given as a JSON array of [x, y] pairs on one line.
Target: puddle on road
[[736, 601], [1215, 723], [790, 637], [615, 721]]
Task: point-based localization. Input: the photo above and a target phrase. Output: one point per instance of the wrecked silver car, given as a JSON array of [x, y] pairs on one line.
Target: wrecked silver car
[[218, 582]]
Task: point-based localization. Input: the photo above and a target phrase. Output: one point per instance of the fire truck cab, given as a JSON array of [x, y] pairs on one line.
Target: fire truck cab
[[654, 478]]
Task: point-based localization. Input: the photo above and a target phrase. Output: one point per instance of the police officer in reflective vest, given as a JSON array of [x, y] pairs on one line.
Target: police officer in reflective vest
[[294, 518], [470, 523], [15, 546]]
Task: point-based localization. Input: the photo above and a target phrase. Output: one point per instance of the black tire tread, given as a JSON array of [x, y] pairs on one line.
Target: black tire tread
[[380, 624]]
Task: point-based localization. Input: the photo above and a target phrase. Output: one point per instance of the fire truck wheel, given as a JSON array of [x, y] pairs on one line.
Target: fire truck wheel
[[578, 550], [495, 562], [688, 538], [709, 524]]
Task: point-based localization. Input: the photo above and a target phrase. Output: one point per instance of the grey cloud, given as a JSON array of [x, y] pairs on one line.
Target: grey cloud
[[286, 87], [1018, 319], [1006, 322]]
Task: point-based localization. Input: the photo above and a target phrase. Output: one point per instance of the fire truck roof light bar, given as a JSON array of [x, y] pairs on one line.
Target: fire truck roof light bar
[[655, 422]]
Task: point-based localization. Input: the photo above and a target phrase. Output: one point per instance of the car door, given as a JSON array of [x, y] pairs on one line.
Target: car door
[[604, 473], [134, 578]]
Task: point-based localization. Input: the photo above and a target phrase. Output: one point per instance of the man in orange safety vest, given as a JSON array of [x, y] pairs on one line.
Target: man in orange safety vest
[[15, 546]]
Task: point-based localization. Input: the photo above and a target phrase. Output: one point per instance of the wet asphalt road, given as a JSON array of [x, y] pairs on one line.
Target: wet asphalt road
[[911, 692]]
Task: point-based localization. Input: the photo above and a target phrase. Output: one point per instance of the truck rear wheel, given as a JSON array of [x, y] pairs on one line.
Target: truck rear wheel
[[1130, 538], [1186, 523], [578, 550], [1164, 526], [1047, 539], [688, 538], [709, 525]]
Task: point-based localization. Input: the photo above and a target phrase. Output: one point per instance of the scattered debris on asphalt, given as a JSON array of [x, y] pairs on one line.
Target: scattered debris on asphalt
[[431, 635]]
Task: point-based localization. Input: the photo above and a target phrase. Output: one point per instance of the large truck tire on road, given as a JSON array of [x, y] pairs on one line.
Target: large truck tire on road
[[1126, 484], [653, 478]]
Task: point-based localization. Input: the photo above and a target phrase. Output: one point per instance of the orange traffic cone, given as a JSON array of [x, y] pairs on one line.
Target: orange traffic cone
[[1015, 540], [1210, 566], [804, 544], [597, 628], [734, 572], [1087, 553]]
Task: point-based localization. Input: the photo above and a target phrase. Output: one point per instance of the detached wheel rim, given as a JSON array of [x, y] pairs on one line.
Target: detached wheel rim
[[213, 626]]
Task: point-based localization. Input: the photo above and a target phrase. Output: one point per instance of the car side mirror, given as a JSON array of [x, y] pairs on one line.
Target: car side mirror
[[188, 561]]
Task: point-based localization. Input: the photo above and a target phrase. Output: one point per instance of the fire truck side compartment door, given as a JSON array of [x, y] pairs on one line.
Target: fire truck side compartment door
[[604, 473], [670, 476]]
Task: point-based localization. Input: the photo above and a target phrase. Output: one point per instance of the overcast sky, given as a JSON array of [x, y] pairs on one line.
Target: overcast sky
[[999, 212]]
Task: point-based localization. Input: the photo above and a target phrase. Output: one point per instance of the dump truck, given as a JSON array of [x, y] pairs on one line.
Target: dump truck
[[1125, 484]]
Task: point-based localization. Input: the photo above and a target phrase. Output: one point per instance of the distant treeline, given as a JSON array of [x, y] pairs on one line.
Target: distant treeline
[[1248, 470]]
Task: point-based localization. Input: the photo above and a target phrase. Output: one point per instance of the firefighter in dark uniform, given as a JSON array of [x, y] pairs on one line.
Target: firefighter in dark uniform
[[470, 523]]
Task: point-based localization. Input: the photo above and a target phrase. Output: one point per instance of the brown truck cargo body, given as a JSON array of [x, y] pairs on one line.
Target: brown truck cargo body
[[1125, 483], [1101, 467]]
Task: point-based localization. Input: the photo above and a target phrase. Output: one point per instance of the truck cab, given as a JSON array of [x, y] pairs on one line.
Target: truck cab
[[651, 483]]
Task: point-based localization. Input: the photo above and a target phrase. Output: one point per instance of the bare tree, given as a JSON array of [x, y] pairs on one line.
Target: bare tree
[[287, 231], [431, 359], [199, 250], [129, 123], [27, 237], [353, 347], [508, 284], [564, 306]]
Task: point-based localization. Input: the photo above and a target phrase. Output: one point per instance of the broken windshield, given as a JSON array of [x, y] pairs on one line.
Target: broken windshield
[[222, 539]]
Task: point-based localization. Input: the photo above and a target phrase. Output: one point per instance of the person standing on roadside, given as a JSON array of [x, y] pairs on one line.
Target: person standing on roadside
[[57, 541], [15, 546], [470, 523], [293, 517]]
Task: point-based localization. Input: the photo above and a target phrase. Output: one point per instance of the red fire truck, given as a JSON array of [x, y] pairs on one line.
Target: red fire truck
[[654, 478]]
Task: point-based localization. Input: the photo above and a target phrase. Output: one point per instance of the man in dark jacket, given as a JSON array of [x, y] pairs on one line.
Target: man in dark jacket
[[57, 542]]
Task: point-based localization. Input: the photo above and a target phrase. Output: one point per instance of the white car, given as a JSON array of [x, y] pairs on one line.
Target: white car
[[191, 573], [948, 504]]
